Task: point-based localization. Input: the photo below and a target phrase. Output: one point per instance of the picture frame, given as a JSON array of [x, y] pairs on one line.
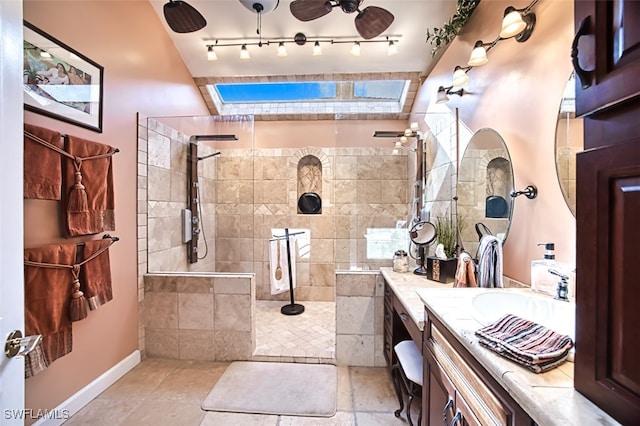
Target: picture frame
[[60, 82]]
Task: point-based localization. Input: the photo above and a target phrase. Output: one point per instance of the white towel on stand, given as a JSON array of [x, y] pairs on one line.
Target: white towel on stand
[[281, 285]]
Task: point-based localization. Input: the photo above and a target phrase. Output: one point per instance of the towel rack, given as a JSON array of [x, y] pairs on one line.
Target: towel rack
[[292, 308]]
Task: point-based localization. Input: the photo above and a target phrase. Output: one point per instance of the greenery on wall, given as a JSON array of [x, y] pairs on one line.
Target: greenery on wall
[[439, 37]]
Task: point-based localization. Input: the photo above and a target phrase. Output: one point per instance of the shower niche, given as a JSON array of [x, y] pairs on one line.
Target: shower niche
[[309, 178]]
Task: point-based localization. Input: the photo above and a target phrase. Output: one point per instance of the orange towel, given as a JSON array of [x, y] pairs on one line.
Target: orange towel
[[42, 165], [95, 275], [465, 272], [47, 301], [88, 187]]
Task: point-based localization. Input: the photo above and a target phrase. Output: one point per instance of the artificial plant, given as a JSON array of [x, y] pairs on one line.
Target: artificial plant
[[439, 37], [447, 232]]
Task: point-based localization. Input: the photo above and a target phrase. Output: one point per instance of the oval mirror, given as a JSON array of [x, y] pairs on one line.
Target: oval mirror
[[569, 141], [485, 180]]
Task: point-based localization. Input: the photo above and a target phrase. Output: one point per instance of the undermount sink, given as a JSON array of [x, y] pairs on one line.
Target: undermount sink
[[554, 314]]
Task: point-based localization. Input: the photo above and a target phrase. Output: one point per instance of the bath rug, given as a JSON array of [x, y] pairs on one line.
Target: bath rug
[[275, 388]]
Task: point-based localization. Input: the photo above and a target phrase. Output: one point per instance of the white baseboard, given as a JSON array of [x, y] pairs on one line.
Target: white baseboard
[[77, 401]]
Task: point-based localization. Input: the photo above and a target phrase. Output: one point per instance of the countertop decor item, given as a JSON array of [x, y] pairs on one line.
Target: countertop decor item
[[53, 72]]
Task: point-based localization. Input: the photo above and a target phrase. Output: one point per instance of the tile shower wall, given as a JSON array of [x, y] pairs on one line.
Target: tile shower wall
[[251, 192], [199, 317]]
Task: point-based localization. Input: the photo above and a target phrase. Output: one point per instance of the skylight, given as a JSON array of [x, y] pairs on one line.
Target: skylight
[[305, 97]]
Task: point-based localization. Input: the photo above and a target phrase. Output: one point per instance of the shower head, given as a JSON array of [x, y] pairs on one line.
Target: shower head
[[210, 155], [218, 137]]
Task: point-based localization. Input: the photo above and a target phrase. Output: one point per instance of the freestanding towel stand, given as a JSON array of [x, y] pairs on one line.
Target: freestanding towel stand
[[292, 308]]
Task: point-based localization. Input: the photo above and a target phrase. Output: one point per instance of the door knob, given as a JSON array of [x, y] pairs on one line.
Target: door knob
[[15, 342]]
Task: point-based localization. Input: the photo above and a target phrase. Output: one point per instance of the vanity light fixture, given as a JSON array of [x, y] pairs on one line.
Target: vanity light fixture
[[518, 23], [460, 77], [444, 92], [478, 54], [300, 39]]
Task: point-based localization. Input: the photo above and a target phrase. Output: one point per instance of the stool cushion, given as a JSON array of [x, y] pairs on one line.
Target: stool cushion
[[410, 360]]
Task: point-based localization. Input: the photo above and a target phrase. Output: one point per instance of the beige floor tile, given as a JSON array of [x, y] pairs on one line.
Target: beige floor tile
[[341, 418], [238, 419], [188, 384], [373, 390], [163, 413], [344, 396], [103, 412], [142, 380], [379, 419]]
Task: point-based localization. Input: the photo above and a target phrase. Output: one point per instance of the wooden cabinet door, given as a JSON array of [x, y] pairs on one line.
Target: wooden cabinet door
[[608, 279], [606, 53]]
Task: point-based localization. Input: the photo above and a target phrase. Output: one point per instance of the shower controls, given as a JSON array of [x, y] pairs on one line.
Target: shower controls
[[195, 220], [186, 225]]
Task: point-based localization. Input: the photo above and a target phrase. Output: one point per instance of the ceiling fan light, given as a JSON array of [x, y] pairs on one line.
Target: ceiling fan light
[[441, 97], [512, 23], [392, 49], [244, 53], [282, 50], [211, 54], [460, 77], [355, 50], [317, 50], [478, 55]]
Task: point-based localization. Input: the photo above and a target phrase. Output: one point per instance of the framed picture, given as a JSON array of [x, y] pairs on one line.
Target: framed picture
[[60, 82]]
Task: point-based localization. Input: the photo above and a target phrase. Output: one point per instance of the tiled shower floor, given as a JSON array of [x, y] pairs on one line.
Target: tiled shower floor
[[309, 337]]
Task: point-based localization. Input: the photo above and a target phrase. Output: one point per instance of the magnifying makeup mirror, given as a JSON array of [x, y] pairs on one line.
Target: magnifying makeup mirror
[[422, 234]]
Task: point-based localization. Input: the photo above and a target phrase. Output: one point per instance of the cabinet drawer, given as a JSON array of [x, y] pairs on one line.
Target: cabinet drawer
[[409, 324], [482, 404]]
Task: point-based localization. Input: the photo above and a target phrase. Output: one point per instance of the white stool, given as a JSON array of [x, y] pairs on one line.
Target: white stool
[[407, 374]]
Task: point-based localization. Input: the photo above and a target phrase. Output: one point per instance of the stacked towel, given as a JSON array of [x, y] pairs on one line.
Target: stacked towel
[[490, 262], [42, 165], [95, 275], [529, 344], [466, 272], [281, 285], [95, 178], [47, 296]]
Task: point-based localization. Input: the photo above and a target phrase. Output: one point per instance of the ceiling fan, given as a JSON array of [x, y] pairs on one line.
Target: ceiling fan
[[370, 21], [182, 17]]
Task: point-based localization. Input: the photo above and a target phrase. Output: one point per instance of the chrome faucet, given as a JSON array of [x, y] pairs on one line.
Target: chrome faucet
[[562, 290]]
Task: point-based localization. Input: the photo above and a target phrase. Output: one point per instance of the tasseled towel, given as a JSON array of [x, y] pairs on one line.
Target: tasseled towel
[[490, 262], [47, 301], [465, 272], [42, 163], [51, 304], [88, 183], [529, 344]]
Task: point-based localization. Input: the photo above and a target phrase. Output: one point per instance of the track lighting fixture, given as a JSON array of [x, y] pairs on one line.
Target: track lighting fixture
[[355, 49], [299, 39], [211, 54]]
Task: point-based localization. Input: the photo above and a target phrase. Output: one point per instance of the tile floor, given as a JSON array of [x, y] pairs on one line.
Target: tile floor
[[309, 337], [162, 392]]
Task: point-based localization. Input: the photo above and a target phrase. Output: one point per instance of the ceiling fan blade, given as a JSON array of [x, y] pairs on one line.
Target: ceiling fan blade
[[308, 10], [182, 17], [373, 21]]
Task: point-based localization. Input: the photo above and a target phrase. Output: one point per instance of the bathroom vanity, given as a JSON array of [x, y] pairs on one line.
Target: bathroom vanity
[[465, 383]]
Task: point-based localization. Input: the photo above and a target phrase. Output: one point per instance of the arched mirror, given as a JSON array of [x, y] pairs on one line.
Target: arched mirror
[[485, 180], [569, 141]]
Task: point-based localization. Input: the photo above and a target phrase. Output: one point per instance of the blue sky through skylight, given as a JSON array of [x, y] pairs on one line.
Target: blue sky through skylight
[[276, 92]]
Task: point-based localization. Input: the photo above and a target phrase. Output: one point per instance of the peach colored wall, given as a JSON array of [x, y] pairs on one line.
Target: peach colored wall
[[142, 71], [518, 94]]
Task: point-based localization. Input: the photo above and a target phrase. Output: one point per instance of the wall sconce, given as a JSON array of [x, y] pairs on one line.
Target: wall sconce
[[518, 23], [444, 92], [460, 76], [530, 192], [299, 39]]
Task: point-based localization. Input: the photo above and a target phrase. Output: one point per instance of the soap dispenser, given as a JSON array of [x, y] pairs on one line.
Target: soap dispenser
[[541, 279]]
